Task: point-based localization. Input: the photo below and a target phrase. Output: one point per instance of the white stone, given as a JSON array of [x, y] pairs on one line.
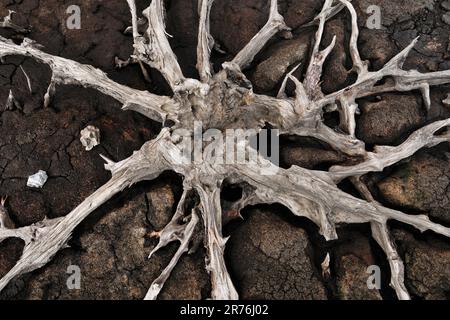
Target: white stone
[[446, 101], [90, 137], [37, 180], [446, 18]]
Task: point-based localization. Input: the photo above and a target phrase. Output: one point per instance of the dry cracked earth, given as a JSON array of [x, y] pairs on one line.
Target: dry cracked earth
[[271, 255]]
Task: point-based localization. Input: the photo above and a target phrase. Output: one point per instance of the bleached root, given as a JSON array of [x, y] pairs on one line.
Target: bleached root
[[282, 92], [222, 286], [154, 49], [331, 12], [359, 66], [134, 19], [11, 102], [307, 193], [174, 229], [343, 143], [9, 24], [69, 72], [5, 220], [179, 230], [274, 25]]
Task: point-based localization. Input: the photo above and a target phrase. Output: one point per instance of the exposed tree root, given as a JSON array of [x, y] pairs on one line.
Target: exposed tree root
[[224, 101]]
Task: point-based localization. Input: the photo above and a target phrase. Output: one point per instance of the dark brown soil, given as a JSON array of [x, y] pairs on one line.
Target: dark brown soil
[[270, 254]]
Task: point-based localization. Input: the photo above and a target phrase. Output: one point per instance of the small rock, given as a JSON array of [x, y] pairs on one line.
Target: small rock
[[427, 267], [423, 185], [269, 258], [353, 258], [390, 120], [37, 180], [446, 101], [446, 18], [113, 255], [160, 203], [90, 137]]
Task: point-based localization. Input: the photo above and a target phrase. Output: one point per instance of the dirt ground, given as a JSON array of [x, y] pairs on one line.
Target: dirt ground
[[271, 254]]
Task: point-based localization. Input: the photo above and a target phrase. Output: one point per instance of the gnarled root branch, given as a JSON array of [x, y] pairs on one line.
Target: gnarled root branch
[[222, 286], [385, 156], [182, 233], [308, 193], [205, 41], [69, 72], [313, 194], [274, 25], [380, 233], [44, 239]]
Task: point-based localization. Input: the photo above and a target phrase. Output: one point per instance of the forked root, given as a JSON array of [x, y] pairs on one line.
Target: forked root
[[184, 235], [274, 25], [222, 286], [381, 234]]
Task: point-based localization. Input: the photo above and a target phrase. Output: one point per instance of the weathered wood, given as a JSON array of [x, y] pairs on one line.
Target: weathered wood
[[205, 41], [226, 101]]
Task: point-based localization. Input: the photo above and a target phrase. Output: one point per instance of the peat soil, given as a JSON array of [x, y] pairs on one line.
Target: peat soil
[[271, 254]]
